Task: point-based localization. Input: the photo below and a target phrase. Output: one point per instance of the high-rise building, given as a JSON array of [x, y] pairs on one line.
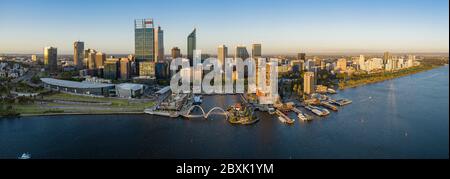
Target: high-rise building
[[191, 46], [256, 51], [91, 59], [111, 69], [308, 83], [51, 58], [176, 53], [144, 40], [125, 68], [159, 45], [341, 65], [362, 62], [162, 70], [99, 59], [78, 50], [241, 52], [222, 53], [386, 57], [147, 69], [301, 56], [33, 58]]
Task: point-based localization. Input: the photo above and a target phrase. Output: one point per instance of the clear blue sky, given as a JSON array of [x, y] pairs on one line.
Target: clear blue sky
[[282, 26]]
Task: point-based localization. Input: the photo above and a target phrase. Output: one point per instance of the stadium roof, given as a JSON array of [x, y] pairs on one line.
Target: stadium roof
[[130, 86], [74, 84]]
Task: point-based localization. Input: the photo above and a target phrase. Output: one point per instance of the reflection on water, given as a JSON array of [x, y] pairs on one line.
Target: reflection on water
[[400, 118]]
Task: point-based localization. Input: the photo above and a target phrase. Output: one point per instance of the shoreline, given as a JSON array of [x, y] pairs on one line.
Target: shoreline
[[66, 114], [387, 79]]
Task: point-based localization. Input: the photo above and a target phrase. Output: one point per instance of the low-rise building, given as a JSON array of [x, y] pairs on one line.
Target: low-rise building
[[129, 90]]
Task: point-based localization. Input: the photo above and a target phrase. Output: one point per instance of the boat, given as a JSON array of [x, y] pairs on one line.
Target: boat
[[271, 111], [25, 156], [303, 117], [342, 102], [197, 100], [331, 91], [282, 119], [329, 106], [313, 110]]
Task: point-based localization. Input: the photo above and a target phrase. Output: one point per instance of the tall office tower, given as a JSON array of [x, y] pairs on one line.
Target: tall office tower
[[176, 53], [361, 62], [222, 53], [91, 59], [159, 45], [241, 52], [308, 83], [256, 51], [386, 57], [51, 58], [78, 50], [33, 58], [147, 69], [99, 59], [341, 65], [301, 56], [125, 69], [111, 68], [191, 46], [144, 40]]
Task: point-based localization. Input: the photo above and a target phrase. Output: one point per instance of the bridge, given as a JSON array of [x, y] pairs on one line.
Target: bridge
[[205, 115]]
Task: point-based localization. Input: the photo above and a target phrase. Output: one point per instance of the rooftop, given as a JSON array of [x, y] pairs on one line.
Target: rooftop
[[74, 84]]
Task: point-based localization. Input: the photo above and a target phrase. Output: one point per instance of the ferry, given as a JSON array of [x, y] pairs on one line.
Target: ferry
[[303, 117], [25, 156], [282, 119], [197, 100], [329, 106], [342, 102], [313, 110], [271, 111]]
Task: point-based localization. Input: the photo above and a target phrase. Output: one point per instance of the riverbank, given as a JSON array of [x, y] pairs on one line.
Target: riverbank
[[66, 104], [366, 79]]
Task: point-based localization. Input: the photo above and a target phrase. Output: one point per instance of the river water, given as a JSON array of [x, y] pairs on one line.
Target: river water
[[406, 117]]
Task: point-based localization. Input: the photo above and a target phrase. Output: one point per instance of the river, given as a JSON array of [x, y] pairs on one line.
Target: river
[[406, 117]]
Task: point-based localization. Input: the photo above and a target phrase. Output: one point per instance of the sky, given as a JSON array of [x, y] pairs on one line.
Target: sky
[[281, 26]]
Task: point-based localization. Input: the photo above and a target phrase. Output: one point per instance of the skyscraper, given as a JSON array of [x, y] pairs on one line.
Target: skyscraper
[[386, 57], [50, 58], [308, 83], [256, 51], [362, 62], [241, 52], [125, 68], [111, 68], [100, 59], [159, 45], [144, 40], [176, 53], [222, 53], [78, 49], [342, 65], [191, 46], [90, 55]]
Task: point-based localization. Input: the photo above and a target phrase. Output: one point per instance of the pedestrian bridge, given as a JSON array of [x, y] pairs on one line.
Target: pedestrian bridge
[[213, 111]]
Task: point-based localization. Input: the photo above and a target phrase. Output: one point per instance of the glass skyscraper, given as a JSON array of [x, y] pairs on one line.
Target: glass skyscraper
[[78, 50], [191, 44], [144, 40]]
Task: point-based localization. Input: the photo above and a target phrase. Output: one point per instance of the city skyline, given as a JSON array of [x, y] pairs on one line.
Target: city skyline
[[313, 27]]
